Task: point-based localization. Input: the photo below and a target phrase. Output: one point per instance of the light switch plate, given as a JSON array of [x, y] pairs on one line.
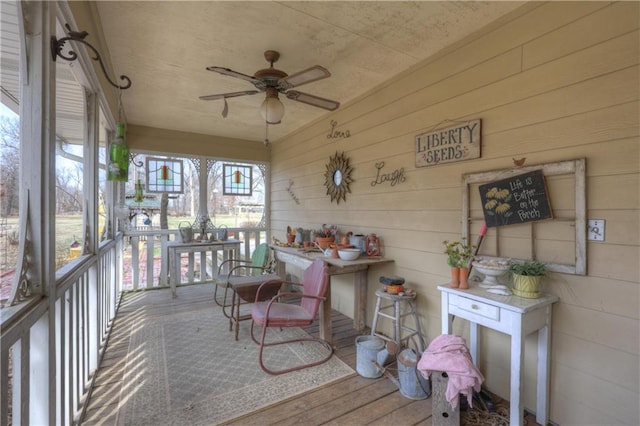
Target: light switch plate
[[595, 229]]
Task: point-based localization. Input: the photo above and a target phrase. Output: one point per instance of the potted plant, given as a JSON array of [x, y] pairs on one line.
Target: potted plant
[[527, 276], [326, 235], [459, 254]]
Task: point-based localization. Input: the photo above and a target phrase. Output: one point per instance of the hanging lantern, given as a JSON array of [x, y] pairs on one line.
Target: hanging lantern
[[164, 172], [237, 177], [118, 168]]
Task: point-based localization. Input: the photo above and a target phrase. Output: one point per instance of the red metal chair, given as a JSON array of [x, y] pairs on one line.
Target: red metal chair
[[274, 313]]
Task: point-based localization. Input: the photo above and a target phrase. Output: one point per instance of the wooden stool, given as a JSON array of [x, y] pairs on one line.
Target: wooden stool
[[397, 303]]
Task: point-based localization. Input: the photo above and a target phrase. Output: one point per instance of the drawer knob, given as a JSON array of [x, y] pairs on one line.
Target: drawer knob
[[474, 306]]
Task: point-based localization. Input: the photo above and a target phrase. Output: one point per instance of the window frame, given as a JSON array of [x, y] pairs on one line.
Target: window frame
[[576, 168]]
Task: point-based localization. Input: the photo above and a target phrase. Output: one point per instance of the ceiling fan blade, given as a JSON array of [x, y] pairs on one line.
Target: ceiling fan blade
[[251, 79], [309, 75], [228, 95], [316, 101]]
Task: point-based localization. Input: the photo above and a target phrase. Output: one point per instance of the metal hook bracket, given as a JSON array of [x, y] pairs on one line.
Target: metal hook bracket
[[79, 36]]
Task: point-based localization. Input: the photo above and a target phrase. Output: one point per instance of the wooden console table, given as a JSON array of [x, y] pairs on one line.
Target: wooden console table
[[358, 267], [515, 316], [229, 247]]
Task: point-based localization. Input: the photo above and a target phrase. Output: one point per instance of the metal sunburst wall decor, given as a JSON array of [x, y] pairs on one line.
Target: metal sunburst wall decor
[[337, 177]]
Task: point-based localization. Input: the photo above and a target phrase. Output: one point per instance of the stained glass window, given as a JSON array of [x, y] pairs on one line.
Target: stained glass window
[[238, 180], [164, 175]]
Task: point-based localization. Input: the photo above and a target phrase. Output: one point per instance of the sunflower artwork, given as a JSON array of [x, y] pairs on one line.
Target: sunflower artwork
[[497, 204]]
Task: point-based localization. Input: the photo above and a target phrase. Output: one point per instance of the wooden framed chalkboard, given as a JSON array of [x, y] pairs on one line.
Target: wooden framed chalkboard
[[517, 199]]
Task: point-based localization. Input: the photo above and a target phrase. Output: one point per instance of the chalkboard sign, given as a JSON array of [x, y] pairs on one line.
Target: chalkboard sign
[[518, 199]]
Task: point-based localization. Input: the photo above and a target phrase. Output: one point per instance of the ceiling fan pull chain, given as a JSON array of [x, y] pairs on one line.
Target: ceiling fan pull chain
[[225, 110], [266, 133]]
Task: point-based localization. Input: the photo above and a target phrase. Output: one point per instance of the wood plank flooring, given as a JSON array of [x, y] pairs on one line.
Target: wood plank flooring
[[353, 401]]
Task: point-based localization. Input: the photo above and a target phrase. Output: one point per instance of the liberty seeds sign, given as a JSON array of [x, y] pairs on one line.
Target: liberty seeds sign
[[448, 145]]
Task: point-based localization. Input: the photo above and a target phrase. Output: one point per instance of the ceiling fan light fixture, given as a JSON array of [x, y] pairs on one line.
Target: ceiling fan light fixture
[[274, 81], [272, 109]]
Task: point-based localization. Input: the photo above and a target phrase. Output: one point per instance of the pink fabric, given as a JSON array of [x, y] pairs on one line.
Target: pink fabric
[[449, 353]]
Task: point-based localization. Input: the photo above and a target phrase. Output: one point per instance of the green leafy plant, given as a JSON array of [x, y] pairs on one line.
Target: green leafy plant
[[528, 268], [459, 253]]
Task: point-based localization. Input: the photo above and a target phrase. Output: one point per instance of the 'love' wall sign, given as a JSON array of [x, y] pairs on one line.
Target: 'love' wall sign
[[518, 199], [456, 143]]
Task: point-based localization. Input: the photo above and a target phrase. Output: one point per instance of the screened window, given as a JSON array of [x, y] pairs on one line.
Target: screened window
[[70, 137], [104, 194], [10, 199]]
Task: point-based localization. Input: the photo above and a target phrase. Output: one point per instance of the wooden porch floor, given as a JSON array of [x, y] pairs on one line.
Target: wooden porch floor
[[353, 401]]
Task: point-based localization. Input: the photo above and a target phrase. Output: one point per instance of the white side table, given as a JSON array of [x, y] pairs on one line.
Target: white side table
[[515, 316]]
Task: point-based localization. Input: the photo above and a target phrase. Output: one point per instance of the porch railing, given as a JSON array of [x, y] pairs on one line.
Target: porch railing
[[50, 349], [146, 255]]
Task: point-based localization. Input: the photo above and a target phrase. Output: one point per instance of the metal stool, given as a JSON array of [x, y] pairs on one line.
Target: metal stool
[[397, 317]]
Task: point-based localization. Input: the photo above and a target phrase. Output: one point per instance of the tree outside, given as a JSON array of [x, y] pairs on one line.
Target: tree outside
[[9, 201]]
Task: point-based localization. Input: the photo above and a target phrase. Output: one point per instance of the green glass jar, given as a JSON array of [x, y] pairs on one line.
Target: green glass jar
[[139, 192], [118, 169]]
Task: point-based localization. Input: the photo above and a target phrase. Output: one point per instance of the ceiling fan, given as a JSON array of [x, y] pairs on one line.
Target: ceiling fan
[[274, 81]]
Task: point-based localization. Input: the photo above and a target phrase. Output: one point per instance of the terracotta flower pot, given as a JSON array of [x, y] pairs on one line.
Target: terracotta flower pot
[[464, 279], [324, 242], [455, 278]]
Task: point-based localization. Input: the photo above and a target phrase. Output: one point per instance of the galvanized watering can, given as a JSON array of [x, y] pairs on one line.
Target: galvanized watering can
[[411, 383], [186, 232]]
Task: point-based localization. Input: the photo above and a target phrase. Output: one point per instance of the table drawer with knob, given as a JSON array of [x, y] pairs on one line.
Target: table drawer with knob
[[479, 308], [483, 313]]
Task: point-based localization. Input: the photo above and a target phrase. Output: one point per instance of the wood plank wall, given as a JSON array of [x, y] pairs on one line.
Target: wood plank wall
[[551, 81]]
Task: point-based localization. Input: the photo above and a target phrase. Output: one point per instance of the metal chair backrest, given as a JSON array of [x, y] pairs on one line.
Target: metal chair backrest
[[315, 282], [259, 259]]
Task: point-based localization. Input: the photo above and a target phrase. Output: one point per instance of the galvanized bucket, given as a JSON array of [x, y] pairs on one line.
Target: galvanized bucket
[[367, 348], [186, 232]]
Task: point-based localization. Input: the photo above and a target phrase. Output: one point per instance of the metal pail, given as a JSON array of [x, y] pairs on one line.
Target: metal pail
[[367, 348], [358, 242], [186, 232], [223, 234], [413, 384]]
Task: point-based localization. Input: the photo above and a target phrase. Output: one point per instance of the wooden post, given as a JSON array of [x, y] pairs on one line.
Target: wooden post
[[443, 414]]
